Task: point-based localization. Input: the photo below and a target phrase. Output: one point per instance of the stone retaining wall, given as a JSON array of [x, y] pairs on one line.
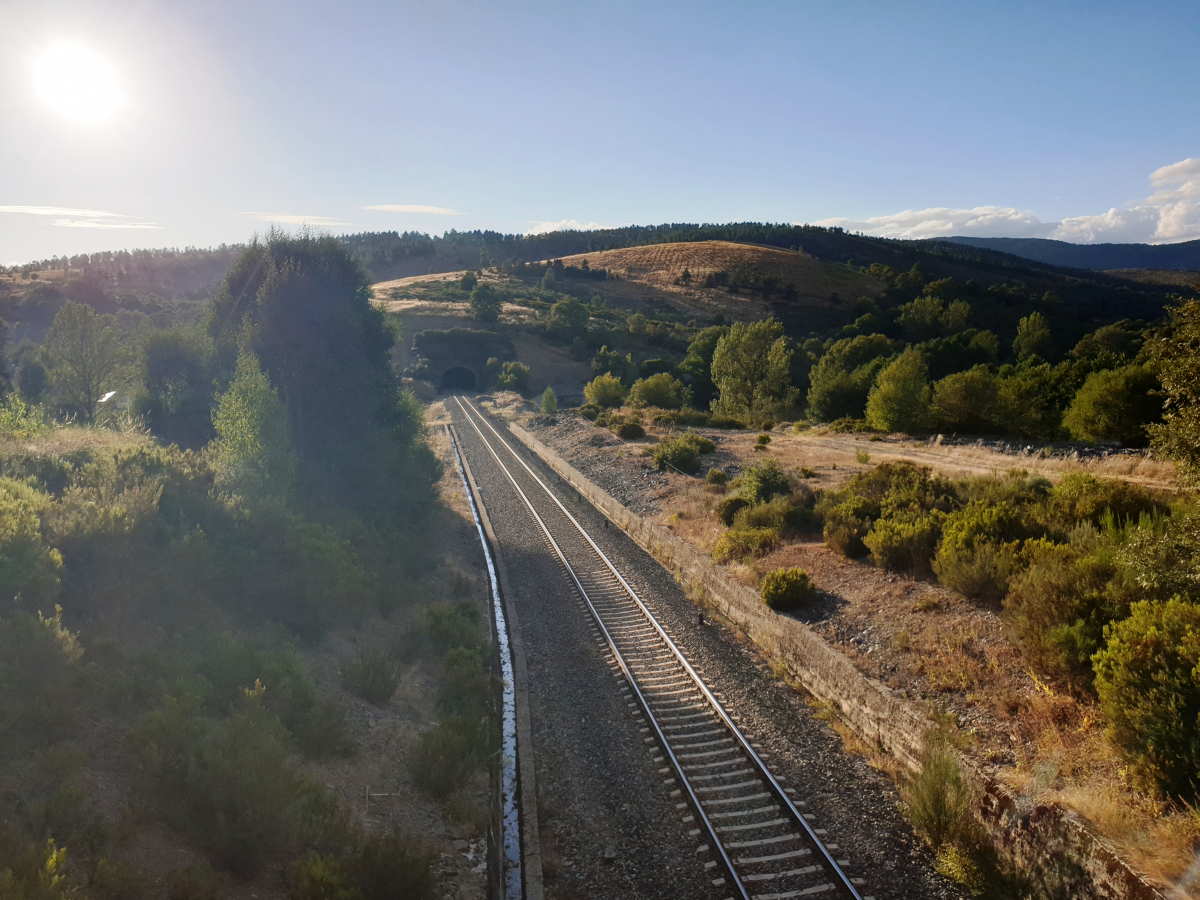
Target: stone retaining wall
[[1044, 842]]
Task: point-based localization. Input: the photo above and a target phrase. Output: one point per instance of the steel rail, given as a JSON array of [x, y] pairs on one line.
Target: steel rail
[[843, 883], [624, 666]]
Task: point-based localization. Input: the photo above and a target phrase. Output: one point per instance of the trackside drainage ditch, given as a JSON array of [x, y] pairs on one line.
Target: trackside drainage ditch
[[511, 822]]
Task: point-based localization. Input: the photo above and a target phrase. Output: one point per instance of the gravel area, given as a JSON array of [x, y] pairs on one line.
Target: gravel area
[[590, 752]]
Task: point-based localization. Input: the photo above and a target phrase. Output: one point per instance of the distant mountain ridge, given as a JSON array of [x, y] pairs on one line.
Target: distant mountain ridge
[[1185, 255]]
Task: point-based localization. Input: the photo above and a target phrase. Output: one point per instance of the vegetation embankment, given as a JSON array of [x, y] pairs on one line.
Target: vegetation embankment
[[1054, 618], [181, 685]]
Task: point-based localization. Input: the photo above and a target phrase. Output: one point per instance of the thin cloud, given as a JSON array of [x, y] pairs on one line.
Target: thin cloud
[[289, 219], [562, 225], [69, 217], [415, 208], [1171, 213]]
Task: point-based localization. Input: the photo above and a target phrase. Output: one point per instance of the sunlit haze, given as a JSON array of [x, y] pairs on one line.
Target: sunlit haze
[[165, 124]]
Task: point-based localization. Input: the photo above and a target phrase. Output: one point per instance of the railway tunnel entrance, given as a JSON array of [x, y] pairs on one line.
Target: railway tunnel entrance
[[458, 378]]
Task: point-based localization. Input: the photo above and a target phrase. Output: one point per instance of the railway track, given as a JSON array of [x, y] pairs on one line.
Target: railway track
[[759, 842]]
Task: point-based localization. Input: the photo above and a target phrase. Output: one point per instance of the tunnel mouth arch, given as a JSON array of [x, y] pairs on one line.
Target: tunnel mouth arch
[[458, 378]]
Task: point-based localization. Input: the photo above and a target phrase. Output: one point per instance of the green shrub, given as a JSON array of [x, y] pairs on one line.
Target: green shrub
[[1115, 405], [19, 420], [739, 542], [729, 423], [322, 730], [905, 540], [457, 625], [1080, 497], [589, 411], [938, 801], [982, 571], [393, 865], [446, 755], [1057, 608], [846, 425], [791, 513], [549, 402], [465, 689], [661, 391], [681, 418], [716, 477], [682, 453], [513, 376], [762, 440], [862, 457], [844, 532], [762, 482], [198, 881], [44, 680], [318, 877], [786, 589], [630, 431], [605, 391], [33, 871], [1150, 694], [372, 675], [729, 507], [27, 566], [116, 881]]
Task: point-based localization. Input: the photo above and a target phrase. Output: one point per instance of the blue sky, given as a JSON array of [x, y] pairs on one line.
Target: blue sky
[[1070, 120]]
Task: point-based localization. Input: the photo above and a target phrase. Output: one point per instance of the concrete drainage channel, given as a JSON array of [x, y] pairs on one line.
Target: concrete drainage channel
[[748, 822], [1041, 841]]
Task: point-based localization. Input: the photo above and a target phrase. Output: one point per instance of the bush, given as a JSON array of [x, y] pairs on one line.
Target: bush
[[760, 483], [716, 477], [1080, 497], [116, 881], [739, 542], [938, 801], [513, 376], [318, 877], [680, 418], [19, 420], [786, 589], [762, 440], [630, 431], [393, 865], [549, 402], [1150, 695], [978, 553], [196, 882], [456, 625], [729, 423], [1058, 607], [905, 540], [791, 513], [682, 453], [729, 507], [28, 567], [605, 391], [372, 675], [589, 411], [661, 391], [485, 303], [465, 690], [446, 756]]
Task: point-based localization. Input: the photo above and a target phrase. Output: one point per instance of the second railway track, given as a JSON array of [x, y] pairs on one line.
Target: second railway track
[[759, 842]]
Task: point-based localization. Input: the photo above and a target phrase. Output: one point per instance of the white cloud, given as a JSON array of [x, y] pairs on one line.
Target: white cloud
[[563, 225], [1171, 213], [415, 208], [68, 217], [289, 219]]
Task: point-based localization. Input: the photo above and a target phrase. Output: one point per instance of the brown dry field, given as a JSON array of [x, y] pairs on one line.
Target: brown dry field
[[926, 642]]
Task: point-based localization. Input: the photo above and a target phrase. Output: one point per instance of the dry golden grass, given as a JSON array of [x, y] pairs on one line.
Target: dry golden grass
[[661, 265], [66, 439]]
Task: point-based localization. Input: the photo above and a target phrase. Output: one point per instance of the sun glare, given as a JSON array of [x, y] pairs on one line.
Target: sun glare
[[77, 83]]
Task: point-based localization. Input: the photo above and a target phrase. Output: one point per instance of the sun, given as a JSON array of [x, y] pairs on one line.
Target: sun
[[77, 83]]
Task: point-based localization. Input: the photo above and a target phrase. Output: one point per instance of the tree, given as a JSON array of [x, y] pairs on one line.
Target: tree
[[1033, 337], [842, 378], [1115, 405], [254, 457], [302, 303], [1178, 357], [177, 386], [750, 370], [900, 399], [697, 365], [549, 402], [605, 390], [485, 303], [569, 317], [85, 358], [966, 401]]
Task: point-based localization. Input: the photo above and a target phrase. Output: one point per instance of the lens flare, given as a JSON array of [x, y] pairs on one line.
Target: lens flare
[[77, 83]]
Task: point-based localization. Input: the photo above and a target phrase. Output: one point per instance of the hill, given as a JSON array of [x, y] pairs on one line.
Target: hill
[[1099, 257]]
